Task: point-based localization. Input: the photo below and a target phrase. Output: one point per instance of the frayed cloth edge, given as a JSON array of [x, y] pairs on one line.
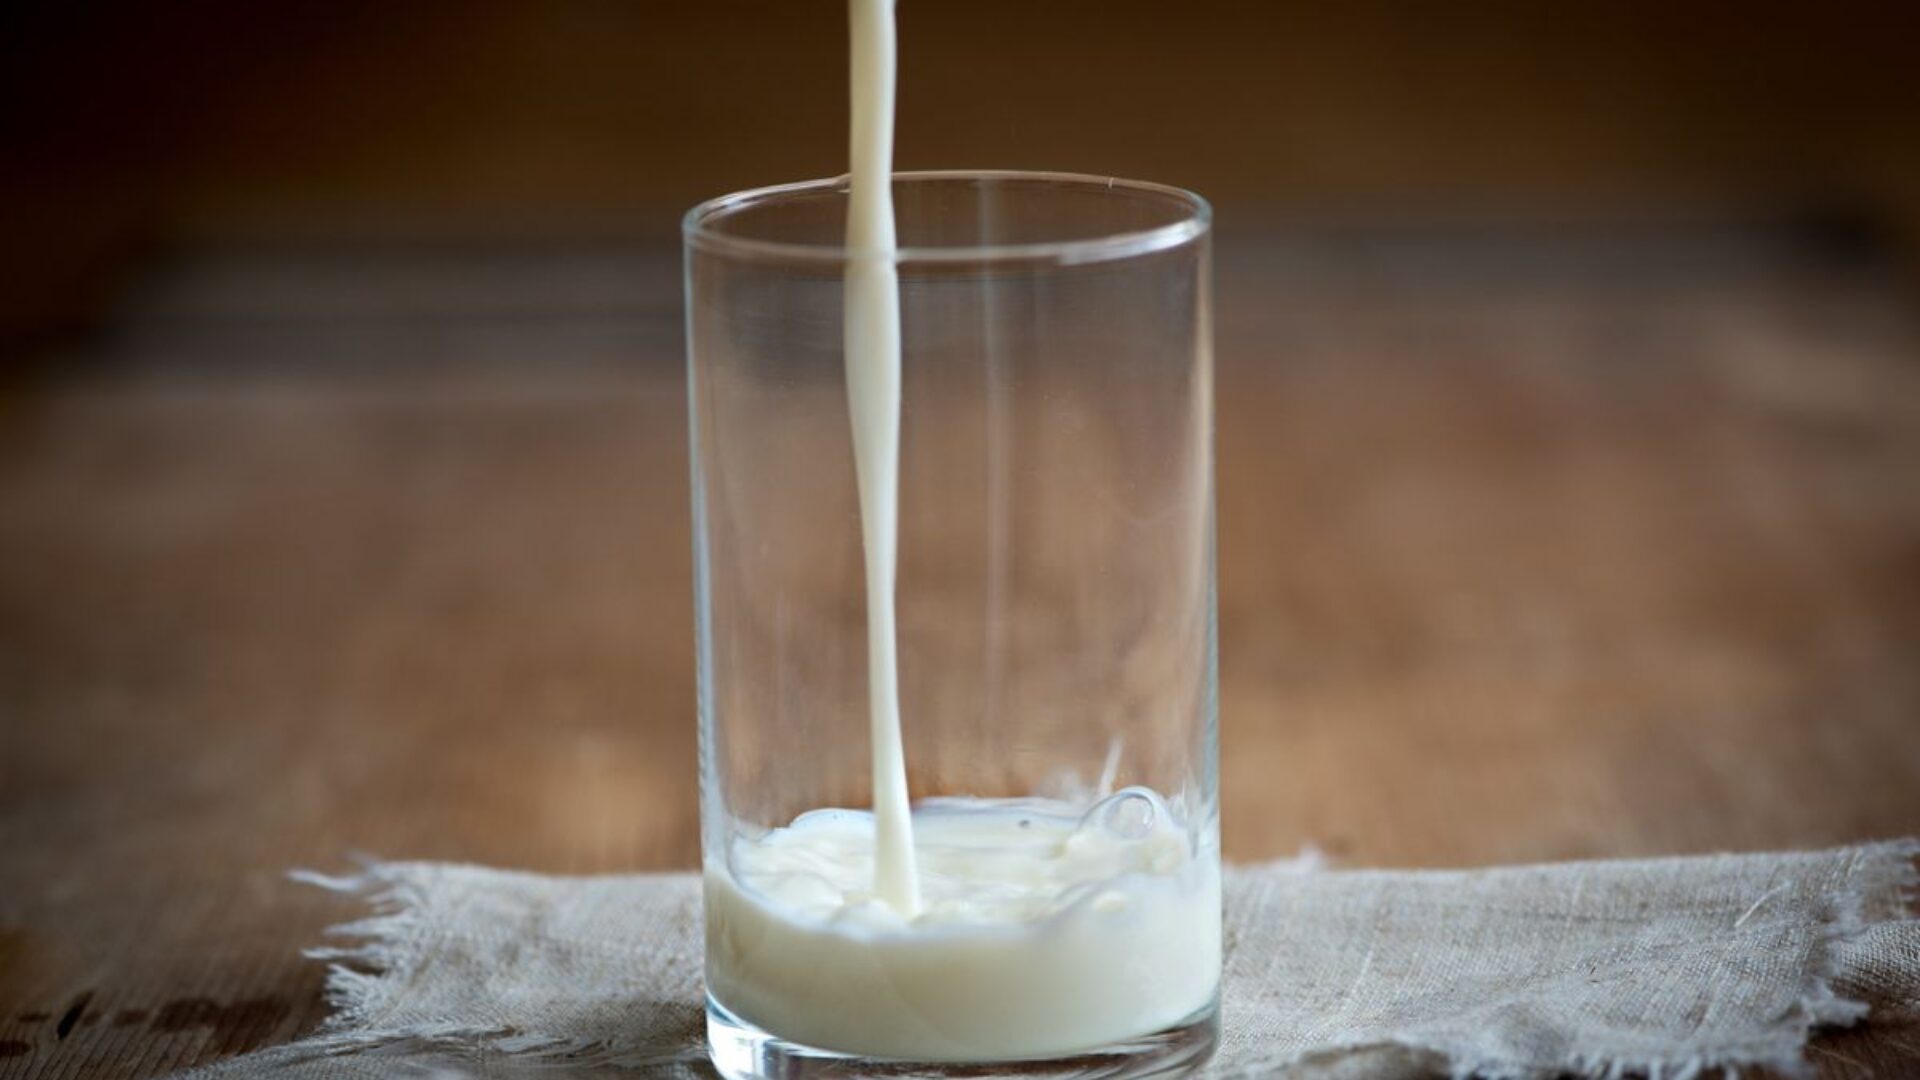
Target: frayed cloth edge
[[362, 976]]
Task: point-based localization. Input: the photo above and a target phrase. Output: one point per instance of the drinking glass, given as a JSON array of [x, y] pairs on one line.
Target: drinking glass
[[1055, 590]]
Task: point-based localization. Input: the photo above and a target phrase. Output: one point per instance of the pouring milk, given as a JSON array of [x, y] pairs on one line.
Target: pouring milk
[[962, 929]]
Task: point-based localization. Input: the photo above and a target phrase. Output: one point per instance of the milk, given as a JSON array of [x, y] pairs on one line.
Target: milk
[[961, 930], [1045, 928], [873, 400]]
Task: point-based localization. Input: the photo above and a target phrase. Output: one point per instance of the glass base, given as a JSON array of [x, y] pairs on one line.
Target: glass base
[[741, 1051]]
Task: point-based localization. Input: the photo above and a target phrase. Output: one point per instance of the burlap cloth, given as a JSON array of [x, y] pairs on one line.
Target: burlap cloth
[[1664, 967]]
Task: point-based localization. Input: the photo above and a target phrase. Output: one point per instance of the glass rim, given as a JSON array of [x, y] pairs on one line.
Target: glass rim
[[697, 226]]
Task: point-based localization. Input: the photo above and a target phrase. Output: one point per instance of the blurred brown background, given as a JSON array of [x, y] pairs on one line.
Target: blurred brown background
[[1569, 437], [132, 127]]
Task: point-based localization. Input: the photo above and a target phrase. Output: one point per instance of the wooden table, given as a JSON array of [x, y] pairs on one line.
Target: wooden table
[[1575, 548]]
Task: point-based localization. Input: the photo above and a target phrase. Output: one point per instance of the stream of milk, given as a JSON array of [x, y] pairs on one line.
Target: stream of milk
[[873, 399]]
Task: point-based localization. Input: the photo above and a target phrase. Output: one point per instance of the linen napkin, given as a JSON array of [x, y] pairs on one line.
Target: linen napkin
[[1664, 968]]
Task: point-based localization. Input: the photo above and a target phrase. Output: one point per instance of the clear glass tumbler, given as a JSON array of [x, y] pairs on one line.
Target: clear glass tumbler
[[1055, 612]]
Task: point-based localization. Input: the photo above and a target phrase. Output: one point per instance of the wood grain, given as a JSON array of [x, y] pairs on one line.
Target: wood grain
[[320, 552]]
